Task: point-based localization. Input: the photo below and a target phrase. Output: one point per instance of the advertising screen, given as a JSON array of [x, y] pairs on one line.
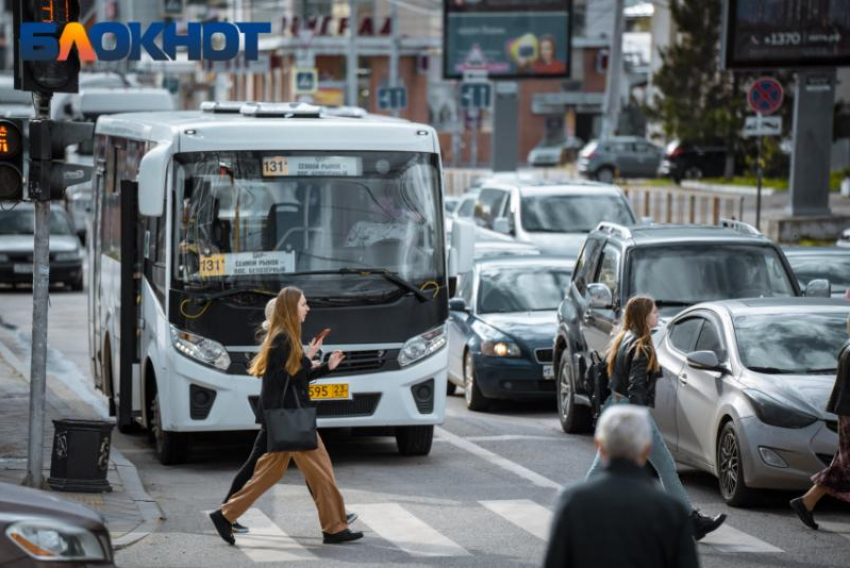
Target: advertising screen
[[786, 33], [509, 39]]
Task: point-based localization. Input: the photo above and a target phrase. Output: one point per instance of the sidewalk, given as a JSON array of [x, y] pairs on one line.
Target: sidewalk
[[129, 512]]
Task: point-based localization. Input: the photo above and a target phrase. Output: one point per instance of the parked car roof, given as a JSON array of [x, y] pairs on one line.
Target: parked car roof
[[779, 305]]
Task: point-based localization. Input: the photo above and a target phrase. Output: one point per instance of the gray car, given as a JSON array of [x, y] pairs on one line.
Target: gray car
[[744, 387], [831, 263], [619, 156]]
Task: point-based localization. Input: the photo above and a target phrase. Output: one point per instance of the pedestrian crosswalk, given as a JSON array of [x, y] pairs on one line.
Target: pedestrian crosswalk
[[396, 525]]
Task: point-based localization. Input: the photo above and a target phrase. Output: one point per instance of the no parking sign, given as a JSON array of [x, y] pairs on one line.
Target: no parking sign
[[765, 95]]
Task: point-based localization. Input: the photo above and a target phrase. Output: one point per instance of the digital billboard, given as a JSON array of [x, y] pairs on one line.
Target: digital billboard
[[509, 39], [761, 34]]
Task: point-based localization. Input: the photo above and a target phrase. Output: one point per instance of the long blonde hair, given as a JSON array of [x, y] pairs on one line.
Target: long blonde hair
[[284, 320], [635, 318]]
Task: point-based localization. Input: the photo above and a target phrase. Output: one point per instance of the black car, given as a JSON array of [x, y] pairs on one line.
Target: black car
[[687, 160], [831, 263], [501, 327]]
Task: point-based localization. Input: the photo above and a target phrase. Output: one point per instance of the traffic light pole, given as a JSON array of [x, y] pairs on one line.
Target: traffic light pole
[[40, 289]]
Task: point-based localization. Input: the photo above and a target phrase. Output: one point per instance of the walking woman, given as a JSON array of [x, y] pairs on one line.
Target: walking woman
[[835, 479], [633, 369], [281, 359]]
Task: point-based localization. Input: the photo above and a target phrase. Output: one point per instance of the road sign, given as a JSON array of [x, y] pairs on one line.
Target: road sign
[[305, 81], [765, 95], [392, 97], [476, 95], [759, 125]]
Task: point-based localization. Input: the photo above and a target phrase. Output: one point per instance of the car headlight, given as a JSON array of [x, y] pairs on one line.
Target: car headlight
[[774, 413], [68, 256], [500, 348], [200, 349], [421, 346], [46, 539]]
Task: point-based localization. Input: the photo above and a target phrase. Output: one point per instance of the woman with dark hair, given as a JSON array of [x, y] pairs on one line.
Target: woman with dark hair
[[547, 63], [633, 368], [281, 361], [835, 479]]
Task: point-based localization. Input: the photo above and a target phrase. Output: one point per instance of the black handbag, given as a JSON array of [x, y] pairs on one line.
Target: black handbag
[[598, 373], [291, 429]]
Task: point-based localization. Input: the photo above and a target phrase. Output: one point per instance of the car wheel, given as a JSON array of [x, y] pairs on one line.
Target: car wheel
[[414, 440], [574, 418], [450, 387], [730, 469], [693, 172], [605, 174], [475, 400], [171, 447]]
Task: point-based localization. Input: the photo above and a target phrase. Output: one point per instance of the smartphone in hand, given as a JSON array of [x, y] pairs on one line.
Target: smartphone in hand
[[322, 334]]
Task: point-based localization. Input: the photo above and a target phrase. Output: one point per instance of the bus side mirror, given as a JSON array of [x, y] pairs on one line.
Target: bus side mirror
[[152, 180], [462, 247]]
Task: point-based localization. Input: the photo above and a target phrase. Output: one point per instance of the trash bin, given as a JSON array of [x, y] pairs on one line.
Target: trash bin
[[80, 457]]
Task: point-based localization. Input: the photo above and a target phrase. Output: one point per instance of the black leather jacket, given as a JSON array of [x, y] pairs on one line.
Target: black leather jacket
[[632, 377], [272, 394]]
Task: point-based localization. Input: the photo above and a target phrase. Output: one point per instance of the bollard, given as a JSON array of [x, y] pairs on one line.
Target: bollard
[[80, 457]]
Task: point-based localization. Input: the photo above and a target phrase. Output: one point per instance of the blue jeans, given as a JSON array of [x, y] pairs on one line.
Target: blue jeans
[[659, 457]]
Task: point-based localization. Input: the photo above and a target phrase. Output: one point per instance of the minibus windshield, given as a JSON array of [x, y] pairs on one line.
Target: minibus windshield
[[275, 218]]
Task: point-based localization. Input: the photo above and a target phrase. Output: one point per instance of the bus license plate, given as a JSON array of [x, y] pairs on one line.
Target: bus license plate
[[548, 372], [22, 268], [332, 391]]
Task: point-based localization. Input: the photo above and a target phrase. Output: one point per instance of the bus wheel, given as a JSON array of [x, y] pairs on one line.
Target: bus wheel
[[171, 447], [414, 440]]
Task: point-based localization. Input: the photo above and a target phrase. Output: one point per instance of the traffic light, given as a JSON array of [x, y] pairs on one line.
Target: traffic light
[[49, 175], [11, 160], [46, 76]]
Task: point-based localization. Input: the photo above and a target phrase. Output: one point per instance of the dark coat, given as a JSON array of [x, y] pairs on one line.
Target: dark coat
[[839, 401], [620, 519], [632, 377], [274, 380]]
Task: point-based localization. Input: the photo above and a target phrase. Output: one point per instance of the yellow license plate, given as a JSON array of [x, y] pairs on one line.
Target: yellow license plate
[[333, 391]]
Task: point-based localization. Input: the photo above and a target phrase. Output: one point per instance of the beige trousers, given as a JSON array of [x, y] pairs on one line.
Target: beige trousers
[[315, 466]]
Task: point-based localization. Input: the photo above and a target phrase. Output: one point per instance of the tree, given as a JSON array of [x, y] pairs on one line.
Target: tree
[[698, 102]]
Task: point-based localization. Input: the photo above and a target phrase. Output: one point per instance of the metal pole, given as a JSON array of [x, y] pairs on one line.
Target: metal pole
[[40, 297], [611, 110], [394, 50], [758, 180], [351, 56], [474, 115]]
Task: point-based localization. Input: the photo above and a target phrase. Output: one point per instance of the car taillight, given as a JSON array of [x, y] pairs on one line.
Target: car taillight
[[677, 152]]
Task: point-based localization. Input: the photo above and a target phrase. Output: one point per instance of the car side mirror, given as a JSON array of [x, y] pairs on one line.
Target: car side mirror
[[502, 225], [152, 180], [818, 288], [600, 296], [458, 305], [705, 361]]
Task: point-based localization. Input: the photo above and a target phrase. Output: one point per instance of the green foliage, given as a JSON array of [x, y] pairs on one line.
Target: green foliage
[[698, 101]]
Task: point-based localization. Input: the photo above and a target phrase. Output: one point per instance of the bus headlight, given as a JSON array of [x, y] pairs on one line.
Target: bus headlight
[[55, 541], [421, 346], [200, 349]]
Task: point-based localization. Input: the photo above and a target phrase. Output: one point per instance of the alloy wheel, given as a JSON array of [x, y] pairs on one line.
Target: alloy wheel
[[564, 388], [729, 464]]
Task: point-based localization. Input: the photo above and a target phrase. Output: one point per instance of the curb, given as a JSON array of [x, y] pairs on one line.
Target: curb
[[740, 190], [152, 515]]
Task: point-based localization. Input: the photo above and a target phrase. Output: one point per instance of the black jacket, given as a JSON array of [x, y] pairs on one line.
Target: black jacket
[[632, 377], [620, 519], [274, 380], [839, 401]]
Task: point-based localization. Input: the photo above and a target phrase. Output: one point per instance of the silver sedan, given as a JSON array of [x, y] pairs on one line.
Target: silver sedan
[[744, 388]]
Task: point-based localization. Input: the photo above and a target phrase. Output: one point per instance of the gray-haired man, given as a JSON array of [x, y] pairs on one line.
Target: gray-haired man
[[620, 518]]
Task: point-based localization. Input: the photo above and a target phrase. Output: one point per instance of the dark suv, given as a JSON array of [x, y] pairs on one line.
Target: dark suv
[[686, 160], [678, 265]]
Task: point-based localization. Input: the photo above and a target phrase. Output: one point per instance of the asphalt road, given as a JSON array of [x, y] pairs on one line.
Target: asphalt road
[[483, 497]]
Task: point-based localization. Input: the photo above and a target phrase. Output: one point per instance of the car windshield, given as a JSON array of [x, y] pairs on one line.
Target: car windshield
[[689, 274], [521, 289], [22, 222], [262, 217], [572, 213], [833, 267], [802, 343]]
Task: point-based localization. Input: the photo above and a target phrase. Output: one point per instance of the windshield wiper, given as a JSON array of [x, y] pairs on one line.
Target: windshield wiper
[[390, 277], [771, 370], [819, 371], [672, 303], [229, 292]]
